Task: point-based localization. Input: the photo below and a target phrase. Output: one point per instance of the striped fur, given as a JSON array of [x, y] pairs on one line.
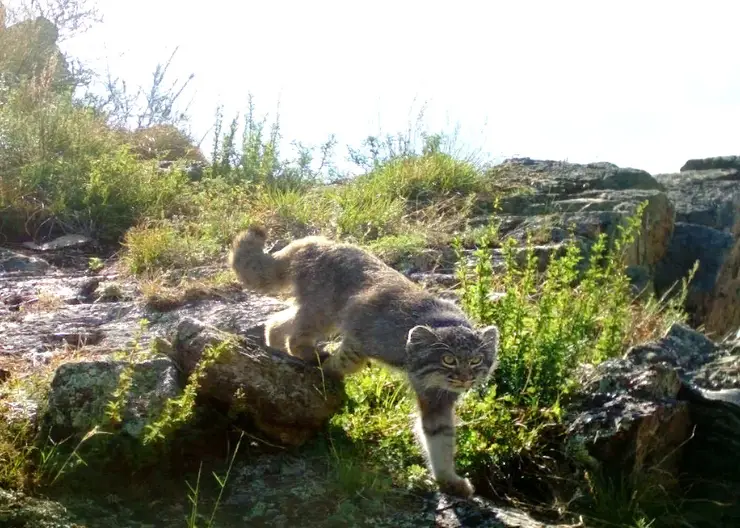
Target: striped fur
[[379, 314]]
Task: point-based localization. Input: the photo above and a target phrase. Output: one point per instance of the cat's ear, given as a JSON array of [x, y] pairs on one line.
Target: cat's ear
[[490, 336], [421, 336]]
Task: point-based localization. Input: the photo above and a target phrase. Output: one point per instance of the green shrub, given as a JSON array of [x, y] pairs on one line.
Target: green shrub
[[63, 169], [158, 247], [162, 142], [361, 212], [574, 312]]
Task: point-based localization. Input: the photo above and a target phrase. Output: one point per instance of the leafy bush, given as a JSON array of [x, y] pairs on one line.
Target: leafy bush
[[156, 247], [165, 142], [254, 156], [579, 310], [63, 169]]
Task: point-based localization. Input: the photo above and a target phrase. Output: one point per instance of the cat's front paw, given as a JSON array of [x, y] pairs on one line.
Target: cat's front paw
[[457, 486]]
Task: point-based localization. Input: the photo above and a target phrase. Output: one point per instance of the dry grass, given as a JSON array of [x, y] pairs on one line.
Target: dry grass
[[163, 295], [43, 302]]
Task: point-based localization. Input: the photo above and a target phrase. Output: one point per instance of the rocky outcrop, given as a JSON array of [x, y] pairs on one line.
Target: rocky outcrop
[[706, 194], [281, 482], [651, 415], [284, 398], [561, 198], [693, 215], [273, 490], [718, 162], [81, 391]]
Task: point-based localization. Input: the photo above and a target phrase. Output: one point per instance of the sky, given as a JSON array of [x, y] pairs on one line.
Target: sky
[[645, 84]]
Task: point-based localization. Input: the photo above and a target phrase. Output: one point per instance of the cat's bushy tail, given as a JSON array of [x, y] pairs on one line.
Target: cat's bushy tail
[[257, 270]]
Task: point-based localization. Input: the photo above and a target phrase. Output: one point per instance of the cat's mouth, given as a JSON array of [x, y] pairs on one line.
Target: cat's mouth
[[458, 385]]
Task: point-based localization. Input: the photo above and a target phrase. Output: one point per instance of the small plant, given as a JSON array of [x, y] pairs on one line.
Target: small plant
[[178, 411], [115, 406], [398, 248], [95, 264], [194, 492], [156, 248]]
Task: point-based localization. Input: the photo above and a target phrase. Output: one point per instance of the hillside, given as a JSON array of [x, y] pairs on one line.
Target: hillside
[[133, 371]]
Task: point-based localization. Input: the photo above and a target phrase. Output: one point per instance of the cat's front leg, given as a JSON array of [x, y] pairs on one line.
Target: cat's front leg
[[436, 432]]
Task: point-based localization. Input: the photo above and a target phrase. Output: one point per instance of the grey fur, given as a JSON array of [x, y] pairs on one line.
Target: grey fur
[[379, 314]]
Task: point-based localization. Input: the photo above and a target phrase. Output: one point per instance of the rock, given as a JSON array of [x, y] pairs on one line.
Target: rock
[[714, 251], [20, 510], [281, 490], [286, 490], [80, 392], [107, 319], [641, 415], [561, 177], [76, 338], [691, 215], [631, 422], [712, 455], [62, 242], [12, 262], [195, 171], [708, 197], [719, 162], [585, 200], [287, 399], [87, 289], [722, 313]]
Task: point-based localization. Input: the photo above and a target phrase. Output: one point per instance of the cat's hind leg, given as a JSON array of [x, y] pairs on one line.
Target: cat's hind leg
[[279, 328]]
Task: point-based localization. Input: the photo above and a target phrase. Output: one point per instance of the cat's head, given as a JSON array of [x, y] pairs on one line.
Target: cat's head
[[452, 358]]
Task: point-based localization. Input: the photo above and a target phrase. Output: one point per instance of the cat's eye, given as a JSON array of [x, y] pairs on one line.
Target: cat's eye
[[449, 360], [476, 361]]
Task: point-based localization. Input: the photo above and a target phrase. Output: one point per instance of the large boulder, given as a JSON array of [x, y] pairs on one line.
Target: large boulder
[[81, 391], [285, 398], [718, 162], [289, 490], [709, 197], [706, 194], [713, 250], [693, 215], [653, 415], [18, 263], [559, 198]]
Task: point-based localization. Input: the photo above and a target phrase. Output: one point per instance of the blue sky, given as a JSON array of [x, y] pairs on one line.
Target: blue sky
[[645, 84]]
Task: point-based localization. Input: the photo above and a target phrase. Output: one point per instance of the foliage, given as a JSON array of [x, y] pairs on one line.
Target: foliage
[[64, 170], [580, 309]]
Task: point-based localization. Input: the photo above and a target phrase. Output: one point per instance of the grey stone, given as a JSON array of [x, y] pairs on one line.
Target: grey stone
[[272, 490], [636, 414], [692, 242], [710, 198], [80, 392], [287, 399], [718, 162], [62, 242], [11, 262], [567, 178]]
